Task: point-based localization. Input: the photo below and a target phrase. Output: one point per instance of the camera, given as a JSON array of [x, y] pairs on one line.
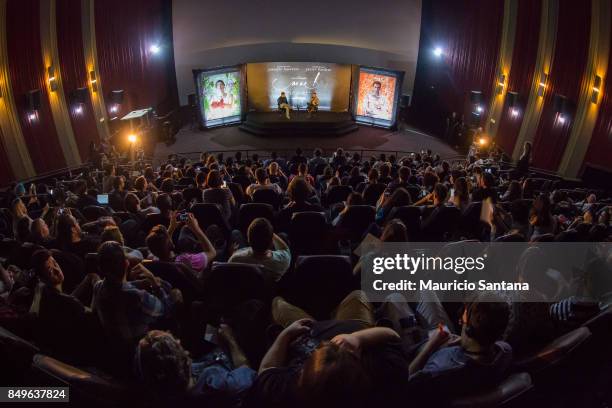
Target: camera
[[182, 217]]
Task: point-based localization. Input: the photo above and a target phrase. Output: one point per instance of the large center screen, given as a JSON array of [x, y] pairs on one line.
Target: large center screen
[[266, 81]]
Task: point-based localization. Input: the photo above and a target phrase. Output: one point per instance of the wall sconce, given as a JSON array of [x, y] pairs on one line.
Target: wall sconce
[[596, 89], [93, 80], [542, 84], [501, 82], [52, 79]]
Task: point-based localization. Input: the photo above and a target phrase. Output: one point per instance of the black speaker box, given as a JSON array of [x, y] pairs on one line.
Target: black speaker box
[[80, 95], [405, 101], [475, 97], [560, 103], [191, 100], [33, 99], [513, 99], [117, 96]]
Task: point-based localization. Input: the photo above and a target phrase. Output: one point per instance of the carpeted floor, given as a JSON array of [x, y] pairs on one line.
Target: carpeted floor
[[190, 142]]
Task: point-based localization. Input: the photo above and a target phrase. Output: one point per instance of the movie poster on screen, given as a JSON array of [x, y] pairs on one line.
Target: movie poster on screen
[[376, 98], [219, 96]]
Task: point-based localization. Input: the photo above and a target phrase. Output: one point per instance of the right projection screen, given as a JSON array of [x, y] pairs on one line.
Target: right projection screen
[[377, 95]]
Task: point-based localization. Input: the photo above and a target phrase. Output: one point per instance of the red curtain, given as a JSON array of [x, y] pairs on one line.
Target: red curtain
[[125, 31], [74, 73], [469, 34], [565, 78], [27, 73], [521, 72], [6, 172], [599, 153]]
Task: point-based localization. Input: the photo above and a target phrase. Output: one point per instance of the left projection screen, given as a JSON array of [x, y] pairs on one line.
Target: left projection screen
[[219, 93]]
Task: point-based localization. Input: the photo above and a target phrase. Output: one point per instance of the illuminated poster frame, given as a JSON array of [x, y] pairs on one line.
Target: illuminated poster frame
[[360, 95], [236, 93]]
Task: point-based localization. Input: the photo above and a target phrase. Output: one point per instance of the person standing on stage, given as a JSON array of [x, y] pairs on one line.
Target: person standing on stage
[[283, 105], [313, 105]]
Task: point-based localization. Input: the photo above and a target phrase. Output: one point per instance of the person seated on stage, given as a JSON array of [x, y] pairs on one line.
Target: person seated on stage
[[283, 104], [313, 105]]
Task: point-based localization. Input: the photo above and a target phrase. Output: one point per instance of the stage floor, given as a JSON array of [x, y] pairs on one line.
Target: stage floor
[[191, 142]]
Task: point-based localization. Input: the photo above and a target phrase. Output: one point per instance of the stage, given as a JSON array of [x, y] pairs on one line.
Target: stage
[[300, 124], [190, 141]]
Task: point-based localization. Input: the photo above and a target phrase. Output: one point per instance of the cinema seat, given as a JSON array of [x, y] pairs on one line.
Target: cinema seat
[[355, 223], [508, 392], [410, 216], [555, 352], [249, 211], [209, 214], [319, 283], [336, 194], [230, 284], [85, 386], [267, 197], [93, 212], [16, 355], [308, 232]]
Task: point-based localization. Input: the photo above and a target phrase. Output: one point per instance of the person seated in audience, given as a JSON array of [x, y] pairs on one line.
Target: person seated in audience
[[355, 178], [460, 196], [128, 310], [387, 201], [485, 188], [283, 105], [323, 179], [167, 370], [274, 158], [265, 248], [316, 161], [541, 220], [513, 192], [262, 183], [342, 362], [109, 176], [117, 195], [276, 175], [70, 238], [18, 211], [113, 233], [352, 199], [372, 189], [62, 317], [243, 176], [298, 157], [299, 191], [217, 193], [302, 172], [472, 361], [385, 173], [133, 206]]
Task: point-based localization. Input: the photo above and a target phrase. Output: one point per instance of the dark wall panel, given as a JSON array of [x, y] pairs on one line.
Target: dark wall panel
[[74, 74], [6, 173], [520, 78], [27, 73], [565, 78]]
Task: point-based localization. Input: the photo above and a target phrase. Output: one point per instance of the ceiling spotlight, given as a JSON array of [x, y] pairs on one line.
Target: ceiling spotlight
[[514, 112], [78, 110], [132, 138], [155, 49], [114, 109], [32, 116], [438, 51], [479, 108], [561, 119]]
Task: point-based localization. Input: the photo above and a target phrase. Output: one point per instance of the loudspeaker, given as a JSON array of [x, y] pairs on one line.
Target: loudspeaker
[[80, 95], [191, 100], [405, 101], [476, 97], [560, 103], [117, 96], [513, 99], [33, 99]]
